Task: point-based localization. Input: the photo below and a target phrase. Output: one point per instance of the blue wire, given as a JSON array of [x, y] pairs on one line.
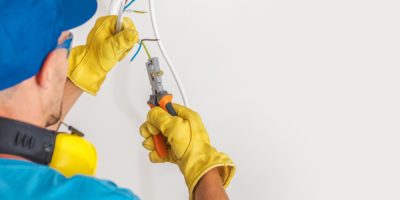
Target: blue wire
[[137, 52], [140, 44], [129, 4]]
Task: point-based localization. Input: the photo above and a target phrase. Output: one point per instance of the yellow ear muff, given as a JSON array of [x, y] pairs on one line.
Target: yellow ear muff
[[73, 155]]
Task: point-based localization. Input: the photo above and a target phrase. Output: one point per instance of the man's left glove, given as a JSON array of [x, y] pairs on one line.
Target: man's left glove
[[188, 145], [90, 63]]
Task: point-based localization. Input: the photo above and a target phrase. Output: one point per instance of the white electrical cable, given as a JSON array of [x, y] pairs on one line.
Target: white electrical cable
[[165, 55], [117, 8]]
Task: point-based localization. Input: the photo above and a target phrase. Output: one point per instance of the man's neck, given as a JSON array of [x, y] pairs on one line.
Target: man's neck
[[13, 157], [23, 105], [29, 119]]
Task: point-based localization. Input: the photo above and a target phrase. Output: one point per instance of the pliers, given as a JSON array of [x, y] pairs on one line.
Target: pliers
[[159, 97]]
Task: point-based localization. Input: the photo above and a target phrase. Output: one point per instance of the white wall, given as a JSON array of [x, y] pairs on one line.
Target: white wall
[[304, 96]]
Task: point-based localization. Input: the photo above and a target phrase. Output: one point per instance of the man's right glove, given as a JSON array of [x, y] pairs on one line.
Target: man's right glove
[[189, 145], [89, 64]]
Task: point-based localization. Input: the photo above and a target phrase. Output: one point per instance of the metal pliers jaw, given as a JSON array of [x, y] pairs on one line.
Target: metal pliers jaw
[[159, 97], [155, 76]]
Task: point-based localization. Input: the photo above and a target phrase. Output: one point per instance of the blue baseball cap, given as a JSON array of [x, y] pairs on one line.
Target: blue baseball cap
[[29, 30]]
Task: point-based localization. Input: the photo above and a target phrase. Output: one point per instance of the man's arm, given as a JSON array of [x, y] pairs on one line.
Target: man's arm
[[210, 187], [71, 95], [88, 67]]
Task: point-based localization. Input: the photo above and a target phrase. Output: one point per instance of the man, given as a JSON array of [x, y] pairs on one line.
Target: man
[[35, 95]]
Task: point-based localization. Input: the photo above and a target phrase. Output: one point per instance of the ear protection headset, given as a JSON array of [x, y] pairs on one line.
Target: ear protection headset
[[70, 154]]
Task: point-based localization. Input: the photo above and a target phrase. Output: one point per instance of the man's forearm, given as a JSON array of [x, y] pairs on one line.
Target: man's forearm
[[210, 187], [71, 95]]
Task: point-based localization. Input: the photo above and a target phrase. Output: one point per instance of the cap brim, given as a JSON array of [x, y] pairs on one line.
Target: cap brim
[[77, 12]]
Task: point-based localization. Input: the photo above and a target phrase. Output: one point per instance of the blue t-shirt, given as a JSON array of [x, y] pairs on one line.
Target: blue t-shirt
[[27, 180]]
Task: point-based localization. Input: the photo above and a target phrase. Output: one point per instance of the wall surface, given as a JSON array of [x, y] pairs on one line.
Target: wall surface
[[304, 96]]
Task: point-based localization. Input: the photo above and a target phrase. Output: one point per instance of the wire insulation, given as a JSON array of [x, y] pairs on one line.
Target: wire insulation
[[137, 51], [129, 4], [146, 50]]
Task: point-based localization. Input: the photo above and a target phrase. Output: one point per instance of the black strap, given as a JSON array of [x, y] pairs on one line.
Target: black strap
[[26, 140]]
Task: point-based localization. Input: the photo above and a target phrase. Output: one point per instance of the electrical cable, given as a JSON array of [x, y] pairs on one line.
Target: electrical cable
[[129, 4], [161, 47], [146, 50], [135, 11], [165, 55], [121, 8], [137, 51]]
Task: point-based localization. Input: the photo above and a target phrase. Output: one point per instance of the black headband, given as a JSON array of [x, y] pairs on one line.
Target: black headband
[[25, 140]]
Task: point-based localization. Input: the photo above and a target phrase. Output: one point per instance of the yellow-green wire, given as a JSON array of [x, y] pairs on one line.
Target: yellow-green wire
[[145, 49]]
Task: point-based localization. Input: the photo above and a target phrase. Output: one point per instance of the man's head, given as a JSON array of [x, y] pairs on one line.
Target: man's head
[[32, 69], [43, 92]]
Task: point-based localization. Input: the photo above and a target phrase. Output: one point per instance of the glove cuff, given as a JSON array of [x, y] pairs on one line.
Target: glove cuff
[[81, 86], [205, 163]]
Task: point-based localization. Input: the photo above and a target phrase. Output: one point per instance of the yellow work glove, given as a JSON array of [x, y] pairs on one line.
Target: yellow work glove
[[188, 145], [90, 63]]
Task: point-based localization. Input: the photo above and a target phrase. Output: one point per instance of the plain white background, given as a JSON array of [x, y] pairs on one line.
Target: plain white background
[[303, 95]]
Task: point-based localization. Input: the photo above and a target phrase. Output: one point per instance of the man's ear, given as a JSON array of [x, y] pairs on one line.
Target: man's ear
[[46, 73]]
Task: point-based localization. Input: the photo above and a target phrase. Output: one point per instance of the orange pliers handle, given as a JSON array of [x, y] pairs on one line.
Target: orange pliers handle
[[165, 102]]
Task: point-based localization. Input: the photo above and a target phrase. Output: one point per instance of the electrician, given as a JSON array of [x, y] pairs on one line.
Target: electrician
[[40, 80]]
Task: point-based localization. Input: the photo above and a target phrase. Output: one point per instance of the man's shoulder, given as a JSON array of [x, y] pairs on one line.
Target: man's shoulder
[[46, 183], [102, 187]]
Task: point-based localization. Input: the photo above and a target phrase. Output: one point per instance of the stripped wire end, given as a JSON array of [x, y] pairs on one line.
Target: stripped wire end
[[146, 50], [135, 11], [142, 44], [150, 40]]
